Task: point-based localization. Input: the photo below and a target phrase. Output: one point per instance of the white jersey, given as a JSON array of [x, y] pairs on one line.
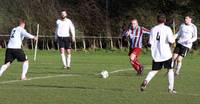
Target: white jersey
[[64, 27], [16, 37], [187, 34], [160, 37]]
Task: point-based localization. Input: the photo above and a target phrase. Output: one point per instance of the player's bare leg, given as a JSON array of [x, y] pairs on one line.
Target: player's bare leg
[[132, 56], [4, 67], [179, 64], [174, 60], [68, 58], [24, 70], [62, 53], [136, 65]]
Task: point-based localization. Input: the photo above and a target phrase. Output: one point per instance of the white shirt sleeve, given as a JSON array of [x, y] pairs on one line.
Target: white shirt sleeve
[[72, 29], [178, 33], [194, 35], [26, 34]]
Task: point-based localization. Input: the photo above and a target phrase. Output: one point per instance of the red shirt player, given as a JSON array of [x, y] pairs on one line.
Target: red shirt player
[[135, 33]]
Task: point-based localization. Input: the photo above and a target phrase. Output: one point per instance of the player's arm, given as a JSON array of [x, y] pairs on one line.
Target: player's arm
[[28, 35], [194, 35], [128, 32], [146, 31], [72, 30], [178, 34]]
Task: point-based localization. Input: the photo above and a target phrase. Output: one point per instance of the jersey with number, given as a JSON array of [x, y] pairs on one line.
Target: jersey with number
[[16, 37], [187, 34], [64, 27], [160, 37]]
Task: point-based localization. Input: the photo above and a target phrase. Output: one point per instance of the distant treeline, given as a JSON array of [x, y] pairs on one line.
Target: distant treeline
[[94, 17]]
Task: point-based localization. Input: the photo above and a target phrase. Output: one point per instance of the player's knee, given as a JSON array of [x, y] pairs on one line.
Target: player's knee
[[4, 66], [7, 64], [132, 57], [62, 50], [175, 56], [179, 61], [26, 62], [170, 70], [68, 51]]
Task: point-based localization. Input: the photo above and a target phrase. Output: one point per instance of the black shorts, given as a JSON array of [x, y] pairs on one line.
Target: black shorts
[[12, 54], [181, 50], [159, 65], [65, 42]]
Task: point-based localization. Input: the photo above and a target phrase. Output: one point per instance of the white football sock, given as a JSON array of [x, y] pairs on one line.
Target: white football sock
[[68, 60], [3, 68], [63, 59], [171, 79], [150, 75], [178, 68], [24, 69]]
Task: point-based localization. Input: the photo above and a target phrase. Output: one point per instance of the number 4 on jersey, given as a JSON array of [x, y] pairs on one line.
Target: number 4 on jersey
[[158, 36]]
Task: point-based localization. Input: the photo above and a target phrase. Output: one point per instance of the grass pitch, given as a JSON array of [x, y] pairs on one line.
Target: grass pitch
[[51, 84]]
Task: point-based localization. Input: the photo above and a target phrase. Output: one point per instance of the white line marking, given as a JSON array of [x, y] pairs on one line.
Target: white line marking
[[127, 69], [45, 77], [62, 75], [116, 71]]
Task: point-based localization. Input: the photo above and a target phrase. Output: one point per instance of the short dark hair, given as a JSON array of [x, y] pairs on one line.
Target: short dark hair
[[188, 15], [63, 10], [21, 20], [161, 18], [134, 19]]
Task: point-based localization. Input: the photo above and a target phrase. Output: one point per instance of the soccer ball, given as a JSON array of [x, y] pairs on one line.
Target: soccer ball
[[104, 74]]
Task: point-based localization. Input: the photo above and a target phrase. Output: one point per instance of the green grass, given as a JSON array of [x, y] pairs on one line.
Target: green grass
[[85, 87]]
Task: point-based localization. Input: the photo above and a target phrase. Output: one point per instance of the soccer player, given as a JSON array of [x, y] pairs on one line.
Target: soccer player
[[65, 27], [135, 32], [161, 37], [186, 35], [14, 49]]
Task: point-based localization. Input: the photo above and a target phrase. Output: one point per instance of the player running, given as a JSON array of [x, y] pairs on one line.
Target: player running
[[135, 33], [186, 35], [14, 49], [160, 38], [64, 27]]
